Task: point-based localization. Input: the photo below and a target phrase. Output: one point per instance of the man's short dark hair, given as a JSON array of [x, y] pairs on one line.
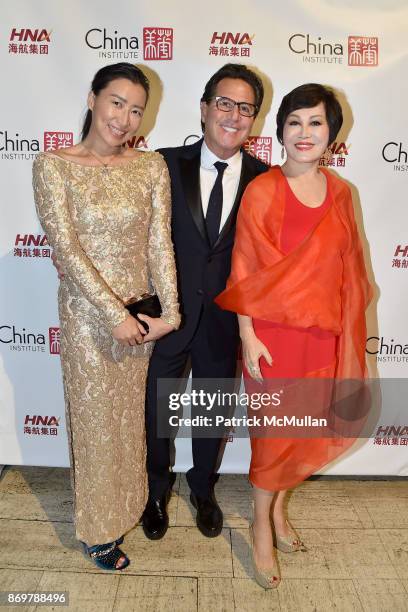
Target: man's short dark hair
[[235, 71], [308, 96]]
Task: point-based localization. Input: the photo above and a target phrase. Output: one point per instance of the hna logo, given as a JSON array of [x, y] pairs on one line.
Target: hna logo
[[31, 240], [51, 421], [392, 430], [137, 143], [401, 251], [339, 148], [228, 38], [27, 35]]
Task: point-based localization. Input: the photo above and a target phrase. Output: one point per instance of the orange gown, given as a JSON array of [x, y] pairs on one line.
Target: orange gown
[[300, 274]]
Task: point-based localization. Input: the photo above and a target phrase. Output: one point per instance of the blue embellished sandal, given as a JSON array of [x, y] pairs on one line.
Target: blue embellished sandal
[[106, 556]]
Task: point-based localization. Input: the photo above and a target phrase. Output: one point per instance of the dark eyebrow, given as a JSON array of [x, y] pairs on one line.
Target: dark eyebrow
[[236, 101], [120, 97], [298, 116], [124, 100]]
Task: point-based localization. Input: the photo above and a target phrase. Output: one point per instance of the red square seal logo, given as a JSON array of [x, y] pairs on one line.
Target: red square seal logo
[[260, 147], [54, 336], [157, 43], [58, 140], [362, 51]]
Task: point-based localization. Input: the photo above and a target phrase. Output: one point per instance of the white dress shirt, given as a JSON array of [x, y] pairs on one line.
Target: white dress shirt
[[230, 180]]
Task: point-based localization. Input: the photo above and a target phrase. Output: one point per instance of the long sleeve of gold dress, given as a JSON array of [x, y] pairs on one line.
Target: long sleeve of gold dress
[[110, 230]]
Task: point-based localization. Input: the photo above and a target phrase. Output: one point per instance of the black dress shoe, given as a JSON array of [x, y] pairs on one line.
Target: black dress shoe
[[155, 519], [209, 517]]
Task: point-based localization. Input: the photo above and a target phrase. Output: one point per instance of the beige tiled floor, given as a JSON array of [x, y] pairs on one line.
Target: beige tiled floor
[[356, 533]]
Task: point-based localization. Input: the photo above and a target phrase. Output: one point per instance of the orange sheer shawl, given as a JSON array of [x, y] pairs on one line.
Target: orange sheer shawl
[[312, 285], [323, 283]]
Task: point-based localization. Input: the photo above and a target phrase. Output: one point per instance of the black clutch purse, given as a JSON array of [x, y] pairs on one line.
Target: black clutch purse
[[148, 305]]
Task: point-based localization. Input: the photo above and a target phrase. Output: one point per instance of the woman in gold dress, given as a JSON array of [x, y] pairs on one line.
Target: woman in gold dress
[[106, 212]]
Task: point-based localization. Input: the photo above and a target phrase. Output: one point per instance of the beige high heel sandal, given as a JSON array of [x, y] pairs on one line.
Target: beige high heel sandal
[[291, 543], [266, 578]]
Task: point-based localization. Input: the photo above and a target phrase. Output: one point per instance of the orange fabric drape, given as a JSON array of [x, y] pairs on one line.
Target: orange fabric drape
[[321, 283]]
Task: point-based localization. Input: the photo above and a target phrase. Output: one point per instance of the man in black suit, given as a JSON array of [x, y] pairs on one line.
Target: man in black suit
[[208, 179]]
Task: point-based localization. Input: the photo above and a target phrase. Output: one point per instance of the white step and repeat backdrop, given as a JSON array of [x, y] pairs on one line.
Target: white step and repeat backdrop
[[49, 52]]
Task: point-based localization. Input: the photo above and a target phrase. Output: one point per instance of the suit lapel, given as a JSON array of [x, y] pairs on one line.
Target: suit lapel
[[247, 174], [190, 179]]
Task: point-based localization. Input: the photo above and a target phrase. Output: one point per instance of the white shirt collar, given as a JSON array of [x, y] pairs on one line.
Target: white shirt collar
[[208, 159]]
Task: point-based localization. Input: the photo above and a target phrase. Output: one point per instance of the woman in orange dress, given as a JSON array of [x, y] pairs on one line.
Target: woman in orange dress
[[299, 285]]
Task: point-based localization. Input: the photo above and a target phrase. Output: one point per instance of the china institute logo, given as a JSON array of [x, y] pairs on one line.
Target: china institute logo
[[21, 147], [158, 43], [387, 350], [359, 51], [25, 340], [362, 51], [112, 44], [24, 41], [396, 153]]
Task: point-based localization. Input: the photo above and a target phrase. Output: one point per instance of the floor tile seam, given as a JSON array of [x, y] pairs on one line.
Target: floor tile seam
[[362, 528], [311, 579], [193, 525], [232, 584], [41, 571], [37, 494], [357, 506], [371, 516], [231, 552], [288, 579], [361, 602], [195, 575], [117, 589], [394, 565], [95, 572], [27, 520], [361, 598], [177, 510], [398, 579]]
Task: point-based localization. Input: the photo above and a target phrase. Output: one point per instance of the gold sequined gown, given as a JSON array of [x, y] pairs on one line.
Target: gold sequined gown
[[110, 230]]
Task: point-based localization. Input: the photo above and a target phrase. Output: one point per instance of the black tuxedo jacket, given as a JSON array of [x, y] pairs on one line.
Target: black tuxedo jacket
[[202, 269]]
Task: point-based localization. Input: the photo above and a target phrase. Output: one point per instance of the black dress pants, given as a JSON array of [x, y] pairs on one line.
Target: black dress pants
[[204, 365]]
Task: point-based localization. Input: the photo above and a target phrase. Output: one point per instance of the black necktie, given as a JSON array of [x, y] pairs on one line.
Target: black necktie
[[214, 210]]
